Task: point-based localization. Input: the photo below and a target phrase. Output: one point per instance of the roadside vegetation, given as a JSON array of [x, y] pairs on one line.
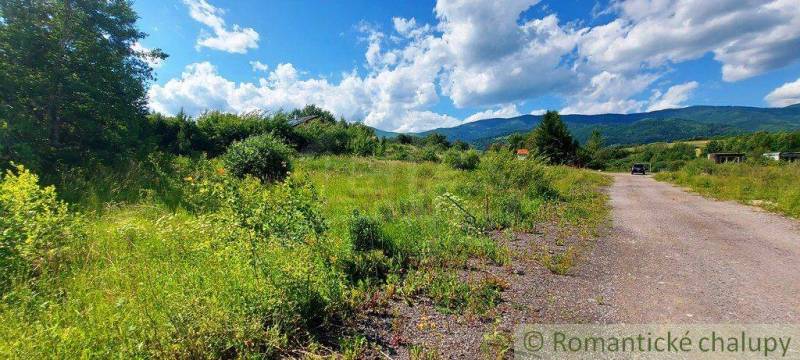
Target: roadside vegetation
[[131, 234], [759, 181], [771, 185]]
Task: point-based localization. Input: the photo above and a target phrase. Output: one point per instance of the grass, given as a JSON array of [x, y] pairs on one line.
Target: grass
[[771, 185], [191, 262]]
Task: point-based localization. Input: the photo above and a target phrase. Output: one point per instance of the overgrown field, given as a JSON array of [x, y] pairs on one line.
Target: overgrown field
[[771, 185], [191, 262]]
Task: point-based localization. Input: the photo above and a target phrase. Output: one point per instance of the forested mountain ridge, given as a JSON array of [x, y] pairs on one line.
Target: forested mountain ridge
[[638, 128]]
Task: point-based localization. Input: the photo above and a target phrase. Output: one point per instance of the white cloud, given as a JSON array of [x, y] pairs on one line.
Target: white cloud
[[609, 92], [748, 37], [485, 54], [674, 97], [505, 111], [377, 100], [233, 40], [145, 54], [785, 95], [258, 66]]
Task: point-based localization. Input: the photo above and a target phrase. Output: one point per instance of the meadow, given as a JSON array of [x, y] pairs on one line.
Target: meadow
[[769, 184], [175, 257]]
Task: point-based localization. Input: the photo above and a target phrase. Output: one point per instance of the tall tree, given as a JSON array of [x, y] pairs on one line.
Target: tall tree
[[552, 139], [72, 84], [592, 154]]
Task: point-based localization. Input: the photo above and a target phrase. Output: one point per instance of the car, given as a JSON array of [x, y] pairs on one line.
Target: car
[[639, 169]]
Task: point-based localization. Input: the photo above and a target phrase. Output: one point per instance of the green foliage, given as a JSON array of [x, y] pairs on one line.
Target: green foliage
[[757, 143], [218, 130], [262, 156], [36, 229], [73, 89], [427, 153], [772, 185], [255, 270], [592, 153], [552, 140], [660, 156], [461, 160], [365, 234]]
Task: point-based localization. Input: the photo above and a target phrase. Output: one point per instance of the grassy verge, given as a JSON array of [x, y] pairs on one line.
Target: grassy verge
[[199, 264], [773, 186]]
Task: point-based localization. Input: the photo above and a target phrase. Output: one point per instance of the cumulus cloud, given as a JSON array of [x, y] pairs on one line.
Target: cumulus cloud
[[675, 97], [609, 92], [258, 66], [233, 40], [493, 56], [785, 95], [376, 100], [747, 37], [505, 111]]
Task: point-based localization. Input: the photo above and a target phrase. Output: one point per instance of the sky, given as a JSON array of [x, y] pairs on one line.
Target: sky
[[416, 65]]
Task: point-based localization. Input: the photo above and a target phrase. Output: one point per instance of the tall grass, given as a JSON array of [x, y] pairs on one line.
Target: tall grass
[[183, 260], [772, 185]]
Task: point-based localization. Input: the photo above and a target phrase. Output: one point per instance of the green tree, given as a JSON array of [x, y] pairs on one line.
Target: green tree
[[72, 82], [593, 155], [552, 140]]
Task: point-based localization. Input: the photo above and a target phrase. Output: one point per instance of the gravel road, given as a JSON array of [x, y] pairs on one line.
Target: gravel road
[[676, 257]]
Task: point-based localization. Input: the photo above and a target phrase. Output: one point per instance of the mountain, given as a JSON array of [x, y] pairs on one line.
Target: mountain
[[638, 128]]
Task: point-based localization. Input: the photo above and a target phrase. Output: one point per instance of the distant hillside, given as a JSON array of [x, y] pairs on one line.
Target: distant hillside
[[662, 125]]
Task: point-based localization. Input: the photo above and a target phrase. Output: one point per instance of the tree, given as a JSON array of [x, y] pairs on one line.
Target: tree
[[73, 84], [593, 155], [552, 140], [516, 140]]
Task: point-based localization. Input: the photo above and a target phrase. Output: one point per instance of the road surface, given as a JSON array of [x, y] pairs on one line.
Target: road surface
[[675, 257]]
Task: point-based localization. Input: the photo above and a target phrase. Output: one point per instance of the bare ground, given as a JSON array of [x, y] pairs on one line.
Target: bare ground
[[678, 257], [668, 257]]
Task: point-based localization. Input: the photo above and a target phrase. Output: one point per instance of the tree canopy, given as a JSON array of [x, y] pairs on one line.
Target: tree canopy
[[552, 139], [73, 84]]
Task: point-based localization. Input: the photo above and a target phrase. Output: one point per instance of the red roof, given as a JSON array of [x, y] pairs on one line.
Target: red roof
[[522, 151]]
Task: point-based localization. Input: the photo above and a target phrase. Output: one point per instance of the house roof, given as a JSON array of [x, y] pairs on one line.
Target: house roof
[[302, 120], [522, 151]]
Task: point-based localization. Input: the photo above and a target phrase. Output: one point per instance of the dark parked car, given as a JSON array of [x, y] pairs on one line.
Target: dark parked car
[[639, 169]]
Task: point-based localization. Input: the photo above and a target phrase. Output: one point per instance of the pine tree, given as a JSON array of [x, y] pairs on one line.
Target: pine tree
[[552, 139]]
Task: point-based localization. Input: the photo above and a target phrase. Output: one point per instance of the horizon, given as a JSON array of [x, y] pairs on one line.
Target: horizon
[[419, 66]]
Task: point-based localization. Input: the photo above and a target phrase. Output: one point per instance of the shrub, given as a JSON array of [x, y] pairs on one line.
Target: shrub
[[427, 153], [462, 160], [218, 130], [262, 156], [365, 233], [35, 227]]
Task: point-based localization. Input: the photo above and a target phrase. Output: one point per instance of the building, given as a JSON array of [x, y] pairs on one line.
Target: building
[[784, 156], [720, 158], [302, 120], [522, 154]]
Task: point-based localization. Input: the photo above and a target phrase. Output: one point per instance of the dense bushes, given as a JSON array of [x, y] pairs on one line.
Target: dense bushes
[[461, 160], [262, 156], [251, 276], [756, 143], [35, 228]]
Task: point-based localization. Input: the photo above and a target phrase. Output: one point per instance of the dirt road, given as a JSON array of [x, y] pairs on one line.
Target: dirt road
[[678, 257]]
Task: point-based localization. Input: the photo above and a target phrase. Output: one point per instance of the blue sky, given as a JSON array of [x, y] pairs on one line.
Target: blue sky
[[411, 66]]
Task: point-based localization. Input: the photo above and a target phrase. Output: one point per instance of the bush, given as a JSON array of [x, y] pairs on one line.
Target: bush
[[365, 233], [35, 227], [262, 156], [427, 153], [462, 160]]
